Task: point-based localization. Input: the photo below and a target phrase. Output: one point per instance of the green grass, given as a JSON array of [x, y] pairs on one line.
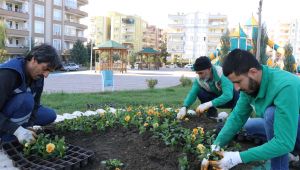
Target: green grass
[[69, 102]]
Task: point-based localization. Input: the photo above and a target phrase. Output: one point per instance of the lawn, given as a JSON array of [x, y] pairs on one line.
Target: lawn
[[67, 103]]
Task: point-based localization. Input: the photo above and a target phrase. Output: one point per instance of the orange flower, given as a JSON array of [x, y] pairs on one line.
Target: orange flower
[[146, 124], [161, 105], [50, 147], [186, 119], [150, 111], [129, 109], [127, 118], [195, 131]]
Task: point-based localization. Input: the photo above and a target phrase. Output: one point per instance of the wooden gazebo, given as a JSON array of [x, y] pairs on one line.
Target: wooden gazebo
[[149, 52], [111, 47]]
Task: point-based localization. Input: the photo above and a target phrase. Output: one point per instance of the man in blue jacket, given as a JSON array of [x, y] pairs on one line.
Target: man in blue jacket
[[21, 86]]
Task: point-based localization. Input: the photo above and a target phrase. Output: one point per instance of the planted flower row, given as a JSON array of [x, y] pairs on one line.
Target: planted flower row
[[160, 121]]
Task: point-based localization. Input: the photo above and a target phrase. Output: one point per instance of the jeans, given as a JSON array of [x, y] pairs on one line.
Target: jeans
[[19, 109], [205, 96], [263, 127]]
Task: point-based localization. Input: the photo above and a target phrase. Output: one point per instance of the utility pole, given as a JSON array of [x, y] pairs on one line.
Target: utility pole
[[259, 31]]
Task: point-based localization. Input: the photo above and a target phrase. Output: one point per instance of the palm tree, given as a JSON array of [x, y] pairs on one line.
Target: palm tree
[[3, 52], [289, 59], [225, 45]]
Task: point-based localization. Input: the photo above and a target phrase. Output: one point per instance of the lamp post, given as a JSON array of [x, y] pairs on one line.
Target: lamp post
[[91, 59]]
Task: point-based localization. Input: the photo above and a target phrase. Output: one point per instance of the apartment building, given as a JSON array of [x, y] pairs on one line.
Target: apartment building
[[99, 29], [194, 34], [127, 30], [31, 22], [217, 26], [153, 37]]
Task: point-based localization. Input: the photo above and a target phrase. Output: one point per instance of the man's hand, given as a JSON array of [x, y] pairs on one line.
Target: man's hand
[[229, 160], [204, 164], [203, 107], [181, 113], [25, 135]]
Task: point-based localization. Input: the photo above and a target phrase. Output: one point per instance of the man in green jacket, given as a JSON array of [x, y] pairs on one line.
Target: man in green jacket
[[274, 95], [211, 87]]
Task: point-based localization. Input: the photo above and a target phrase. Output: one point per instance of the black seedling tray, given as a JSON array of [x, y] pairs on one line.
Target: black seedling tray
[[75, 158]]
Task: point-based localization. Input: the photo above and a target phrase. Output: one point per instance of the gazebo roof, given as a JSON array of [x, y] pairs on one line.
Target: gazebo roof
[[251, 22], [110, 45], [148, 51]]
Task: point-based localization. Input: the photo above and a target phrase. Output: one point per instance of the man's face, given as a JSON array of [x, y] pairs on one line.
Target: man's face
[[204, 74], [38, 70], [245, 83]]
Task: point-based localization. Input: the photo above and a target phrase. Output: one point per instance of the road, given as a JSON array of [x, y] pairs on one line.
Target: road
[[90, 81]]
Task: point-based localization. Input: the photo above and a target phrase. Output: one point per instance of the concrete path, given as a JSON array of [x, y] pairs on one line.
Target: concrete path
[[89, 81]]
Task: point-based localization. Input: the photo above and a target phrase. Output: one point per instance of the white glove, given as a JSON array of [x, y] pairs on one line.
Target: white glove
[[214, 148], [205, 106], [25, 135], [181, 113], [204, 164], [229, 160]]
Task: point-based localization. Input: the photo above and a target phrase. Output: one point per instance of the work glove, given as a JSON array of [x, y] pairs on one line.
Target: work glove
[[203, 107], [205, 163], [229, 160], [181, 113], [25, 135]]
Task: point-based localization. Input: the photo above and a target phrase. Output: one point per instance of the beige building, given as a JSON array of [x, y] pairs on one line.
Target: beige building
[[153, 37], [127, 30], [31, 22], [99, 29]]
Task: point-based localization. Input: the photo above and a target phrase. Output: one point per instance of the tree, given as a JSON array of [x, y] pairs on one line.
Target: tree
[[225, 45], [163, 52], [3, 52], [79, 53], [289, 59], [263, 45]]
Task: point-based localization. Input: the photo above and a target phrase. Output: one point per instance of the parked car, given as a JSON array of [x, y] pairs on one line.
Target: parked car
[[188, 66], [171, 66], [70, 67]]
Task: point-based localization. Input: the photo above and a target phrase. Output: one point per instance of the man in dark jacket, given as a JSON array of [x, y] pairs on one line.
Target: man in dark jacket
[[21, 86]]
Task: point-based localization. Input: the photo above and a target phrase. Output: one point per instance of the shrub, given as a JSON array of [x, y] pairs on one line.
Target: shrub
[[151, 83], [185, 81]]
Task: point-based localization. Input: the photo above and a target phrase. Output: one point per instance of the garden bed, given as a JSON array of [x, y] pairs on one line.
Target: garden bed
[[139, 151]]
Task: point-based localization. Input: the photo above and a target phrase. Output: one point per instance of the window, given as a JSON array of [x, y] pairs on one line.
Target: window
[[71, 3], [17, 9], [57, 44], [10, 24], [80, 33], [10, 40], [70, 31], [56, 29], [39, 27], [9, 6], [57, 2], [17, 41], [57, 14], [17, 25], [38, 40], [39, 11]]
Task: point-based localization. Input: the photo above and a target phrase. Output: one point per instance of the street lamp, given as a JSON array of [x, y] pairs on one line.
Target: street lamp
[[91, 59]]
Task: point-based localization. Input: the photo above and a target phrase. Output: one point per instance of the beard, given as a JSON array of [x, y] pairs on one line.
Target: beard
[[253, 88]]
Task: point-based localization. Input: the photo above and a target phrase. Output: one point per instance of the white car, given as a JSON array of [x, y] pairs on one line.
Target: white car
[[188, 66], [70, 67]]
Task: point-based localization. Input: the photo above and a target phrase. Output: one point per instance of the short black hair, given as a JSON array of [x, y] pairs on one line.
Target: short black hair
[[45, 53], [202, 63], [239, 62]]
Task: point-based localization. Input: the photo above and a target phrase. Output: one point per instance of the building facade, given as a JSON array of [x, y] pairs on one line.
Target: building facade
[[194, 34], [31, 22], [153, 37], [99, 29], [127, 30]]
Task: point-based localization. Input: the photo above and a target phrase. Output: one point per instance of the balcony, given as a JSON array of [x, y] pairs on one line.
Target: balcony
[[17, 32], [76, 11], [77, 25], [9, 13], [82, 2], [74, 38], [16, 50]]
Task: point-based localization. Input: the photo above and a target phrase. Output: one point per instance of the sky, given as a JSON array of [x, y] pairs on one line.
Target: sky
[[155, 12]]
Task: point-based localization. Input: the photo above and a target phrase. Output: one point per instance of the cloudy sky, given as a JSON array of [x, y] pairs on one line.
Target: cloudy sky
[[156, 11]]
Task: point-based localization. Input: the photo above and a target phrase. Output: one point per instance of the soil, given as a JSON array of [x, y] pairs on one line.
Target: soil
[[138, 151]]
